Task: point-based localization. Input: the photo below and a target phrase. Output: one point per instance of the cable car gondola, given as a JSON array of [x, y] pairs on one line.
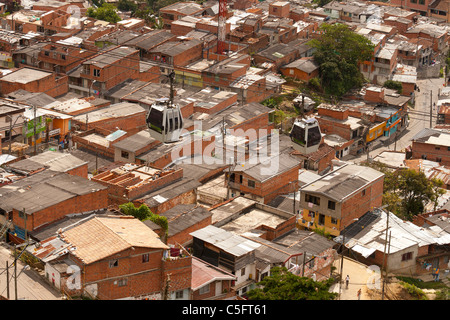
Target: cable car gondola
[[305, 135], [164, 118]]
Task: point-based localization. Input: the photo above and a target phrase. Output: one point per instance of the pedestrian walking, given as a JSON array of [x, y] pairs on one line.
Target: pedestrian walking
[[347, 280], [359, 294], [436, 279]]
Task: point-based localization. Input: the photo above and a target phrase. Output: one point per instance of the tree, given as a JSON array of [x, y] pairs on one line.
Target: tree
[[338, 52], [395, 85], [144, 213], [283, 285], [127, 5], [407, 191], [106, 12]]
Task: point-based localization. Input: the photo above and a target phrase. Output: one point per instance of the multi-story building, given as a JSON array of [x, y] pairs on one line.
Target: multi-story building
[[335, 200]]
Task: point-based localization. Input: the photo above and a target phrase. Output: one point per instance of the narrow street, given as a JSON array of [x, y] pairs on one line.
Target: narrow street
[[30, 285], [419, 118]]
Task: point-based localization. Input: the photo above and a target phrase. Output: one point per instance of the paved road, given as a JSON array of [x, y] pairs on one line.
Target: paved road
[[30, 285], [361, 277], [419, 118]]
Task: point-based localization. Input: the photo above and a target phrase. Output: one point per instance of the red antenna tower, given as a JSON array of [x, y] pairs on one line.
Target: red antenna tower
[[222, 29]]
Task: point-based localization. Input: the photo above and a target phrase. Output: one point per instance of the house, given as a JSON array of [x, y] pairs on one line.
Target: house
[[57, 161], [136, 264], [34, 80], [264, 180], [183, 191], [279, 54], [11, 120], [346, 193], [179, 10], [128, 182], [318, 254], [413, 249], [242, 215], [443, 116], [61, 58], [176, 53], [229, 252], [105, 70], [431, 144], [184, 219], [210, 282], [128, 149], [146, 42], [129, 117], [47, 196], [302, 69]]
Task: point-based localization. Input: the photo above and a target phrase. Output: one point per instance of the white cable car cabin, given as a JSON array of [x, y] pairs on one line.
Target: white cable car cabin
[[165, 121], [305, 135]]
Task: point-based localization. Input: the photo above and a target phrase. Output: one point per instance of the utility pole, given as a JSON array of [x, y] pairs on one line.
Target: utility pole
[[15, 273], [303, 265], [7, 280], [25, 218], [384, 252], [34, 126], [431, 109], [386, 269]]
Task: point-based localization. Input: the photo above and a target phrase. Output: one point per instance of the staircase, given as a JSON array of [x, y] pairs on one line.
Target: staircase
[[4, 229]]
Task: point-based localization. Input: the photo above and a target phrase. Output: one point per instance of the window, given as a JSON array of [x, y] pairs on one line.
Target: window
[[321, 219], [251, 183], [421, 1], [96, 72], [122, 282], [47, 53], [407, 256], [21, 215], [437, 148], [312, 199], [113, 263], [204, 289], [364, 192], [334, 220], [125, 154], [331, 205], [145, 258], [179, 294], [63, 56], [243, 272]]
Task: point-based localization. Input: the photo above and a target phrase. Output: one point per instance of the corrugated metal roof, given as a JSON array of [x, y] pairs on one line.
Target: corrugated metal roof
[[227, 241], [404, 234]]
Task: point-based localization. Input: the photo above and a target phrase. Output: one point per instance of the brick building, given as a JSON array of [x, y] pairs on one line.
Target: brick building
[[105, 70], [130, 182], [47, 196], [415, 248], [34, 80], [339, 197], [431, 144], [210, 282], [119, 258], [302, 69], [129, 117], [265, 180], [61, 58]]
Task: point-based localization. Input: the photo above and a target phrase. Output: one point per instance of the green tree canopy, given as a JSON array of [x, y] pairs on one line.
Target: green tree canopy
[[395, 85], [106, 12], [338, 52], [283, 285], [407, 191], [127, 5], [143, 213]]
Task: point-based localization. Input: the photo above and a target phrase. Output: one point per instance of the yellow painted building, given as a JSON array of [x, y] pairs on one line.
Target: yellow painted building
[[376, 131]]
